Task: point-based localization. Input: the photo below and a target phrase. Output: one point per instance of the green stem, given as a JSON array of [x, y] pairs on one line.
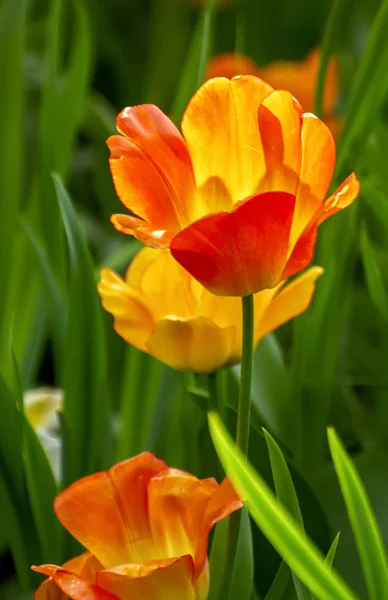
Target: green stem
[[242, 435]]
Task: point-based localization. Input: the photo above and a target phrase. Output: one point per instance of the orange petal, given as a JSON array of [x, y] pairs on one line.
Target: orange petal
[[177, 503], [151, 166], [196, 344], [132, 318], [242, 252], [316, 171], [107, 512], [341, 198], [290, 301], [279, 123], [229, 65], [223, 502], [168, 579], [147, 233], [221, 131], [70, 583], [48, 590]]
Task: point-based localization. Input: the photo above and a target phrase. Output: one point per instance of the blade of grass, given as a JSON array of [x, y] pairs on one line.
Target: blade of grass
[[285, 492], [368, 91], [280, 583], [72, 98], [365, 528], [373, 274], [194, 70], [86, 406], [242, 581], [280, 529], [13, 18], [329, 38]]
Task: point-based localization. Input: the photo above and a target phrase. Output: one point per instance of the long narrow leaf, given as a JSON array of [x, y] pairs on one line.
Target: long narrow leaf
[[86, 408], [365, 528], [286, 494], [281, 530]]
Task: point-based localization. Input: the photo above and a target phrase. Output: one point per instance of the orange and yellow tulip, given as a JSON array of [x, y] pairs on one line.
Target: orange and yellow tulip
[[162, 310], [146, 529], [298, 77], [238, 198]]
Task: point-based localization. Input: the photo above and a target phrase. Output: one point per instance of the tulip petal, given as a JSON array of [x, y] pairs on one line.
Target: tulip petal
[[151, 167], [317, 166], [290, 301], [223, 502], [48, 590], [132, 318], [177, 504], [302, 253], [168, 579], [147, 233], [242, 252], [221, 131], [191, 345], [70, 583], [279, 122], [341, 198], [107, 512]]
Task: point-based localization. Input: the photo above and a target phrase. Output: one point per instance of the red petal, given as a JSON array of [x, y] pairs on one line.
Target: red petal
[[303, 252], [241, 252]]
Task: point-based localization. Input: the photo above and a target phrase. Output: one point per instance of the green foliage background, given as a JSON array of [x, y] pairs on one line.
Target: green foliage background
[[66, 69]]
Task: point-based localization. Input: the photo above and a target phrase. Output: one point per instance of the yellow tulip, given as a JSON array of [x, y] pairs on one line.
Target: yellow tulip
[[161, 309]]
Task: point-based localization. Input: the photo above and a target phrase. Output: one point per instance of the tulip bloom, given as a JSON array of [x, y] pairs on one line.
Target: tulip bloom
[[146, 529], [298, 77], [162, 310], [238, 198]]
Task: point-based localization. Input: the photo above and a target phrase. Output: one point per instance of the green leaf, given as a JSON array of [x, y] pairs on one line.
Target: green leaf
[[369, 89], [194, 71], [373, 274], [280, 583], [73, 95], [286, 494], [332, 550], [42, 490], [242, 581], [281, 530], [365, 528], [13, 17], [86, 410]]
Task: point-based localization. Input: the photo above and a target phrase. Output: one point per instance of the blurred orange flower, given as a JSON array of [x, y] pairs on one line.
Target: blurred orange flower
[[239, 198], [160, 309], [298, 77], [146, 529]]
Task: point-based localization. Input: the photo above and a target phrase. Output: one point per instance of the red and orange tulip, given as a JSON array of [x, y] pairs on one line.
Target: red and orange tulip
[[239, 196], [145, 527], [162, 310], [298, 77]]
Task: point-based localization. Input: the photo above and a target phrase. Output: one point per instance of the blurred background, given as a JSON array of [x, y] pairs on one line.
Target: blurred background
[[66, 70]]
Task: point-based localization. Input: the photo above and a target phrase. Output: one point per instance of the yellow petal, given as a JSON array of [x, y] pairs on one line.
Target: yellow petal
[[191, 345], [291, 301], [221, 130], [132, 318]]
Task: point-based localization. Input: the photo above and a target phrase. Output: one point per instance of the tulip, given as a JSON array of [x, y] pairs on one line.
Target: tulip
[[298, 77], [238, 198], [145, 527], [162, 310], [41, 406]]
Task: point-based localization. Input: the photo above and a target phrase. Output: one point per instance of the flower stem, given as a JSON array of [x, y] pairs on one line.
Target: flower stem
[[242, 436]]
